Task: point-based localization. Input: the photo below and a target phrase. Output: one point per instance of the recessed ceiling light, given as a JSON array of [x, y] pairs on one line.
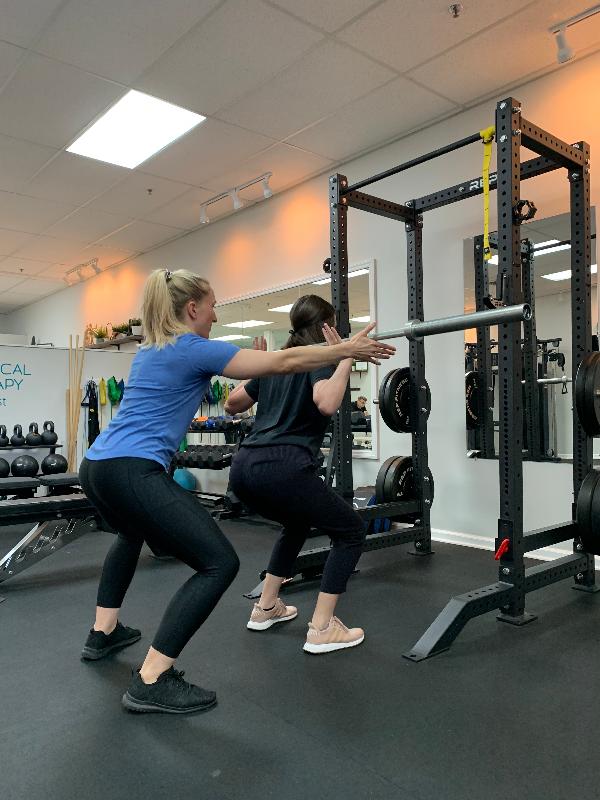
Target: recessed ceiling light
[[283, 309], [565, 275], [545, 244], [135, 128], [249, 323], [360, 319], [354, 274], [234, 337]]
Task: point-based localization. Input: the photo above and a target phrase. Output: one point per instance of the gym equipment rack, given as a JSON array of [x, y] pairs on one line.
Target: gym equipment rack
[[512, 132]]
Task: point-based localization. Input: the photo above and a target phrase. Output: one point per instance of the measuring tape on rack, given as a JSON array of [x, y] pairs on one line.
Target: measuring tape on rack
[[487, 135]]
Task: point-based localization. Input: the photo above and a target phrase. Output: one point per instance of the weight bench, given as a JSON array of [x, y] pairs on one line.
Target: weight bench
[[60, 517]]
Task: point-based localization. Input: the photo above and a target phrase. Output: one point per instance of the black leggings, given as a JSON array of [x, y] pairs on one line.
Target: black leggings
[[281, 483], [138, 499]]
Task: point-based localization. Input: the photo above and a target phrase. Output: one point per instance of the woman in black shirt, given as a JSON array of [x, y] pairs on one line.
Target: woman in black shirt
[[275, 474]]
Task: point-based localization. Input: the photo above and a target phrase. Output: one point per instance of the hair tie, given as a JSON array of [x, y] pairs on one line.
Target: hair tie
[[168, 275], [292, 332]]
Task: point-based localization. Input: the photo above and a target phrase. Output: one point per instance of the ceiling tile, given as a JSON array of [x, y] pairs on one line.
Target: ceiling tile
[[75, 179], [119, 39], [9, 281], [205, 152], [40, 287], [140, 236], [331, 76], [505, 54], [388, 112], [11, 240], [49, 103], [288, 164], [9, 59], [20, 160], [183, 212], [22, 22], [330, 15], [242, 44], [30, 214], [404, 33], [48, 248], [15, 264], [88, 225], [139, 195]]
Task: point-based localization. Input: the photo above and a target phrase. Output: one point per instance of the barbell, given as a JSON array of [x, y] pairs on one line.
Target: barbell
[[416, 329]]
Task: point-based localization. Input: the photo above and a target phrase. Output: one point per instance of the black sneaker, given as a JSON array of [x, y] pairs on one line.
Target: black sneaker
[[100, 644], [169, 695]]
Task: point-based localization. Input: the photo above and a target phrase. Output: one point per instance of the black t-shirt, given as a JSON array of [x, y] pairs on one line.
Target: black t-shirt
[[286, 411]]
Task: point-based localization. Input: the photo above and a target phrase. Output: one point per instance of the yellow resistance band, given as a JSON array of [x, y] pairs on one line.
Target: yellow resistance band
[[487, 135]]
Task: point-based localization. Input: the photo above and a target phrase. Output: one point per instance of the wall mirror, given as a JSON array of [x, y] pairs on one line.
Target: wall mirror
[[263, 320], [553, 391]]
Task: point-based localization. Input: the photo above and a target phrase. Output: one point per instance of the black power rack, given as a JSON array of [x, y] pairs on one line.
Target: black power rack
[[508, 594]]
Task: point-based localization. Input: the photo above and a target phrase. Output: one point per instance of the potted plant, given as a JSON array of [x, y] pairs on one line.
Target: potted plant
[[121, 330], [136, 327], [100, 334]]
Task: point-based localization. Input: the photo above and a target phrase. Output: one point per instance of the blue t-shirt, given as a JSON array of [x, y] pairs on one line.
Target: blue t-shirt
[[163, 392]]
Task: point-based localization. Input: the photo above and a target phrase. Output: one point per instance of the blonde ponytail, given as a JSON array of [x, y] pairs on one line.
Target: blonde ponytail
[[165, 296]]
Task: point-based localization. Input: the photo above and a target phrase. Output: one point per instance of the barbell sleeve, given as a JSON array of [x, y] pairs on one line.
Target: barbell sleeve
[[416, 329]]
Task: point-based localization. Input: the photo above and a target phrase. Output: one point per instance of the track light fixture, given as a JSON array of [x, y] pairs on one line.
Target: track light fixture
[[82, 272], [237, 203], [235, 196], [267, 191], [564, 52]]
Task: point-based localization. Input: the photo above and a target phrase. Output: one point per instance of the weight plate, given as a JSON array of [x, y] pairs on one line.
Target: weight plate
[[380, 482], [587, 397], [398, 480], [592, 396], [472, 404], [592, 543], [395, 401], [584, 508], [388, 395]]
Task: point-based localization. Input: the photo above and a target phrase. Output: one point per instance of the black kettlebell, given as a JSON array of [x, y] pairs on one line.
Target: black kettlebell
[[3, 437], [17, 439], [33, 438], [4, 468], [24, 467], [48, 435], [54, 464]]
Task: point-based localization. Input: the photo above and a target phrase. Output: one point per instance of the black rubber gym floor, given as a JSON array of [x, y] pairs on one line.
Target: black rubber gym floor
[[506, 713]]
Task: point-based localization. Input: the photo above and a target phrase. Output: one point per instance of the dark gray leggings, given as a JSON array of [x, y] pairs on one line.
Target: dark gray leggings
[[138, 499], [280, 482]]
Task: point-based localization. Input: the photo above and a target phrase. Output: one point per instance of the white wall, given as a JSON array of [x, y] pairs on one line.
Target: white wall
[[287, 238]]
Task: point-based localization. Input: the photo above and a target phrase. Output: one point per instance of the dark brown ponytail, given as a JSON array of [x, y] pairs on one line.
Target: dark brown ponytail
[[307, 316]]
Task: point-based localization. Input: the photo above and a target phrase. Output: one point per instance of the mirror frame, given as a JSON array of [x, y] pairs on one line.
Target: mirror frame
[[369, 264]]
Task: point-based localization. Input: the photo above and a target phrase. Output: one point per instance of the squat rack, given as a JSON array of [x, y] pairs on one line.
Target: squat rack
[[512, 132]]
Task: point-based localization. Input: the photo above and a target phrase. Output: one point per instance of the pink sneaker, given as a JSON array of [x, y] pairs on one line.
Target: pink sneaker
[[260, 620], [336, 636]]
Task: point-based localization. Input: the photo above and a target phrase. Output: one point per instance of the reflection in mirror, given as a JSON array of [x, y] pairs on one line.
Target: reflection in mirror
[[547, 428], [263, 322]]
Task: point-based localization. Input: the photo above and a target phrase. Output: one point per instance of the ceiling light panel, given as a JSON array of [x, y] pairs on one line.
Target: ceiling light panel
[[134, 129]]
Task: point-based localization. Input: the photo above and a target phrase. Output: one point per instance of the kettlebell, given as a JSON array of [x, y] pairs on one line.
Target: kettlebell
[[17, 439], [48, 435], [3, 437], [33, 438]]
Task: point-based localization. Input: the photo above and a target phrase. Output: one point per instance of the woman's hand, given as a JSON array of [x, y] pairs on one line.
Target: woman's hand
[[331, 335], [360, 347]]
